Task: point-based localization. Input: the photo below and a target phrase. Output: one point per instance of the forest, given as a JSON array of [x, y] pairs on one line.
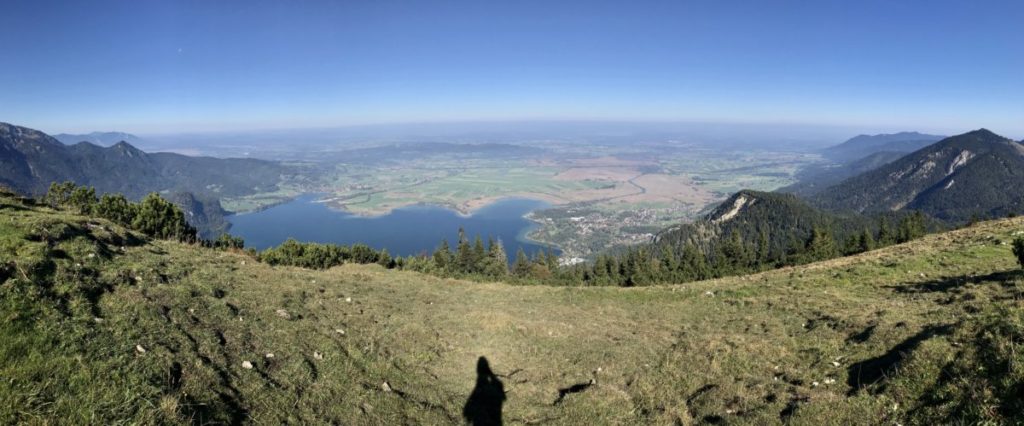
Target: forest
[[645, 264]]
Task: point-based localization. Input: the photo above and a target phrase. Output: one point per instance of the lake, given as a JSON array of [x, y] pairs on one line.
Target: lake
[[404, 232]]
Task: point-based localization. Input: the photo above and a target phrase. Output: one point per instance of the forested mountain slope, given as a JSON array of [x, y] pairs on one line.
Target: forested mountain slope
[[977, 173], [816, 178], [30, 160], [864, 145], [102, 325], [771, 227]]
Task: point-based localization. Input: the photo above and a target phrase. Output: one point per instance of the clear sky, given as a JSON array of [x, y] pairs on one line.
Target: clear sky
[[169, 66]]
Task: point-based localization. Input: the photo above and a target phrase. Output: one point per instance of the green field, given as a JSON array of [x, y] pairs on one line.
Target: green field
[[599, 179], [103, 327], [464, 186]]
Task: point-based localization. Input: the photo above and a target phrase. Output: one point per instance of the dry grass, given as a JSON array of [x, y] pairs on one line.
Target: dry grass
[[781, 346]]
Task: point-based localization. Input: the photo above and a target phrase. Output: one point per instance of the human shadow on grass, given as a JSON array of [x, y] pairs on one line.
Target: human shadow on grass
[[952, 284], [483, 407], [876, 370]]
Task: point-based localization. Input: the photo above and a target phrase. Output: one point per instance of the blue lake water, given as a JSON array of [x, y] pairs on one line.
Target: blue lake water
[[406, 231]]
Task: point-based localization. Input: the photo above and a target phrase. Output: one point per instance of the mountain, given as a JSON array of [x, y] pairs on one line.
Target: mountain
[[781, 220], [31, 160], [813, 179], [203, 212], [977, 173], [864, 145], [98, 138], [104, 326]]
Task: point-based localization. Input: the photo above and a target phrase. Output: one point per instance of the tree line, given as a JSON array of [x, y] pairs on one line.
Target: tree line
[[152, 216], [646, 264]]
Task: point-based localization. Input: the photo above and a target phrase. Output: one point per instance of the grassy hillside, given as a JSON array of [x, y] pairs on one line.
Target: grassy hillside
[[100, 326]]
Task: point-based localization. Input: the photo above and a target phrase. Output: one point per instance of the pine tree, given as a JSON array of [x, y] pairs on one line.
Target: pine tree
[[479, 256], [117, 208], [1018, 250], [630, 268], [669, 264], [852, 245], [497, 259], [552, 260], [83, 199], [600, 271], [735, 253], [867, 242], [763, 249], [694, 264], [539, 266], [59, 193], [821, 245], [911, 227], [464, 254], [521, 268], [384, 259], [443, 258], [886, 236], [159, 218]]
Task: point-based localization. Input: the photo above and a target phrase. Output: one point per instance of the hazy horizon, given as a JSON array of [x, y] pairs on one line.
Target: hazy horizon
[[779, 135], [195, 67]]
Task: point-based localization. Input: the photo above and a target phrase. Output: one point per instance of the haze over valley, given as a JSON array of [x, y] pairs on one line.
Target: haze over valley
[[527, 213]]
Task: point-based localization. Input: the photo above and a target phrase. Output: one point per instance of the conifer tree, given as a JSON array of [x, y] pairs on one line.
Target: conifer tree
[[497, 259], [911, 227], [443, 258], [694, 264], [521, 268], [600, 271], [384, 259], [464, 254], [117, 208], [886, 236], [669, 264], [59, 193], [821, 245], [83, 199], [1018, 250], [867, 242], [479, 256], [763, 248], [159, 218]]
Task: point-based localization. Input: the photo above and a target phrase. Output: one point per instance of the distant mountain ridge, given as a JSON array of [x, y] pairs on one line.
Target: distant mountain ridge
[[817, 178], [976, 173], [862, 146], [98, 138], [31, 160]]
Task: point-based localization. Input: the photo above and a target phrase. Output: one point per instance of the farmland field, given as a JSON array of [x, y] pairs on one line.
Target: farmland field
[[601, 197]]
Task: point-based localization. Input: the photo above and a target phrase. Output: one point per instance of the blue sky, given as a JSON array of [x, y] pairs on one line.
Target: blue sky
[[174, 66]]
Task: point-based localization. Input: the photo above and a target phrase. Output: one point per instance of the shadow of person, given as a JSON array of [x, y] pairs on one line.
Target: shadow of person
[[483, 407]]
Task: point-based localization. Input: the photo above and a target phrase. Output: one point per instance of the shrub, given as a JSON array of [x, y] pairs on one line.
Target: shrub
[[1018, 250]]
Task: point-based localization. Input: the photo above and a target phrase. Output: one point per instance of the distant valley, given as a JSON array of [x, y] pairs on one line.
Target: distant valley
[[603, 197]]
